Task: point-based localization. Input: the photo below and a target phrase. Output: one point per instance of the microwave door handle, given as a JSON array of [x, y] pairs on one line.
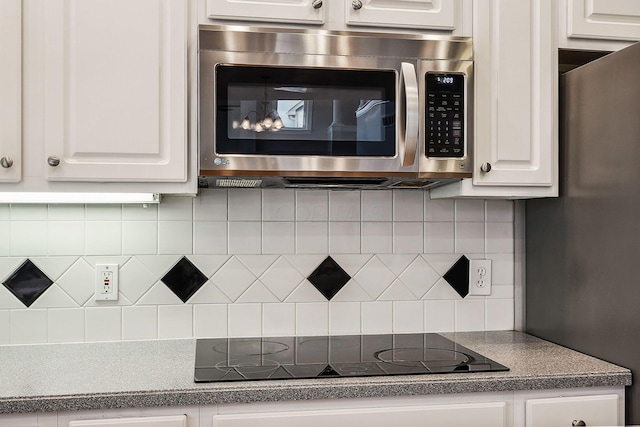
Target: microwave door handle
[[409, 114]]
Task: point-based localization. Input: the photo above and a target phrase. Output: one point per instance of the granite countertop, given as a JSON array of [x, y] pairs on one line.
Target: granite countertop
[[64, 377]]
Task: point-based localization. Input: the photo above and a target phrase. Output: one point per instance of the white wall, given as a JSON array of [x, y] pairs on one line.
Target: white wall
[[257, 247]]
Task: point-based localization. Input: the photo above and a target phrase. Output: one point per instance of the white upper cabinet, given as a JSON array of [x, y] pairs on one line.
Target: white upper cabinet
[[11, 90], [115, 90], [298, 11], [443, 16], [599, 24], [433, 14], [516, 148]]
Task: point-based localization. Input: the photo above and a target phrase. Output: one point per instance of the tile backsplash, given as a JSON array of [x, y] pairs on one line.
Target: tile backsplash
[[253, 262]]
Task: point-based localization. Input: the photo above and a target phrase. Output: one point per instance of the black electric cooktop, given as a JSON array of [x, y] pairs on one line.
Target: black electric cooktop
[[338, 356]]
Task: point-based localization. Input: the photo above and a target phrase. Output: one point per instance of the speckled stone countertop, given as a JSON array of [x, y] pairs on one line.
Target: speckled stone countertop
[[64, 377]]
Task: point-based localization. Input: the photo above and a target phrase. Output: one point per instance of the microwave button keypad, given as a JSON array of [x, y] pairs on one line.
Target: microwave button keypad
[[445, 115]]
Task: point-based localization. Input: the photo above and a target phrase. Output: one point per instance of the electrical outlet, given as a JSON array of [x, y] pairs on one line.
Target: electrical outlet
[[106, 282], [480, 277]]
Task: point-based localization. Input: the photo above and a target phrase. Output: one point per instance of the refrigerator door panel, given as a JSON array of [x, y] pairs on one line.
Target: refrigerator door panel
[[582, 248]]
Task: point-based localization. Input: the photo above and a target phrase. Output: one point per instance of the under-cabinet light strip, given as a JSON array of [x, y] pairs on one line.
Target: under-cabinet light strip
[[79, 198]]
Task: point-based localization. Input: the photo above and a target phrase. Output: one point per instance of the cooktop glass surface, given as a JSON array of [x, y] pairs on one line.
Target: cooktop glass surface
[[269, 358]]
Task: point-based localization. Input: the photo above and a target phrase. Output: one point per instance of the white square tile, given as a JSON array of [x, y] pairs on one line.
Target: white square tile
[[210, 237], [28, 212], [281, 278], [470, 315], [210, 205], [408, 205], [439, 316], [103, 212], [54, 297], [136, 212], [419, 277], [469, 237], [28, 326], [344, 237], [278, 238], [135, 280], [245, 205], [377, 205], [5, 212], [175, 208], [175, 237], [233, 278], [499, 210], [408, 237], [377, 238], [139, 323], [312, 318], [159, 294], [469, 210], [344, 318], [103, 324], [408, 316], [66, 213], [28, 238], [278, 205], [78, 281], [103, 238], [175, 321], [344, 206], [312, 205], [65, 238], [210, 320], [5, 332], [499, 237], [312, 238], [377, 317], [374, 277], [502, 269], [139, 237], [245, 320], [278, 320], [439, 238], [502, 292], [439, 210], [500, 314], [54, 266], [5, 230], [245, 238], [66, 325]]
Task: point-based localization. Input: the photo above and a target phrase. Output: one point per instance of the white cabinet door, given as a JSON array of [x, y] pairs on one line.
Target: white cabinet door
[[11, 90], [476, 414], [563, 411], [115, 90], [515, 65], [604, 19], [423, 14], [291, 11]]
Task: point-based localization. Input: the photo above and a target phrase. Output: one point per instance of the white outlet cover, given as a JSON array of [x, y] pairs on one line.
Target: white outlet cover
[[480, 277]]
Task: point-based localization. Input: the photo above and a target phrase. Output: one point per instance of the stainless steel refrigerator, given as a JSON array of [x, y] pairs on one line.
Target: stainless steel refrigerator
[[583, 248]]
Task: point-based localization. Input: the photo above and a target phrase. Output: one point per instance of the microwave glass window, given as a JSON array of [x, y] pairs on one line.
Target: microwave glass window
[[294, 111]]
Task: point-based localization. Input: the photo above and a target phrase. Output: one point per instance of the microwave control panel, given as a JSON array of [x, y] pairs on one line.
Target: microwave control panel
[[445, 115]]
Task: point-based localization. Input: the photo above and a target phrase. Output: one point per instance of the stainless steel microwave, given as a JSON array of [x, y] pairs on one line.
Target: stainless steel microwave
[[308, 108]]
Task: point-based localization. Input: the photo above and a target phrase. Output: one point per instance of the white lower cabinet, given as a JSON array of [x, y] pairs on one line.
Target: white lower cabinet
[[596, 406], [479, 415], [599, 410]]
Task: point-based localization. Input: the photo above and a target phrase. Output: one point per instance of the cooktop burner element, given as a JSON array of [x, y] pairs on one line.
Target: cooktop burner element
[[242, 359]]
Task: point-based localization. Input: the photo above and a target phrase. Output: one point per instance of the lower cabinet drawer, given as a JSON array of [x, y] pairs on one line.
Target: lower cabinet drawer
[[476, 414], [163, 421], [601, 410]]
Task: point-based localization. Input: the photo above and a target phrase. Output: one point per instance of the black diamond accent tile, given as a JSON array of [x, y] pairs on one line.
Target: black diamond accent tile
[[27, 283], [458, 276], [329, 278], [184, 279]]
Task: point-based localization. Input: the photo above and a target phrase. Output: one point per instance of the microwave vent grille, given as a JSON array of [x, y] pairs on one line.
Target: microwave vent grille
[[238, 183]]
